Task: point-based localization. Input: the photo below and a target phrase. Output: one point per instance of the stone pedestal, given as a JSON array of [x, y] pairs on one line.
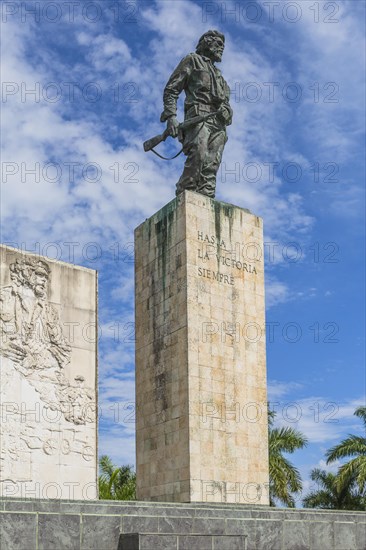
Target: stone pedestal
[[201, 404], [48, 374]]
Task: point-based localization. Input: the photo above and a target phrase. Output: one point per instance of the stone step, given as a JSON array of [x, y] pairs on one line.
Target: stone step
[[159, 541], [32, 524], [188, 525]]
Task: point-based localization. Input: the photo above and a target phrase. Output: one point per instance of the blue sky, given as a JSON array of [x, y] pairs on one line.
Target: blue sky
[[295, 157]]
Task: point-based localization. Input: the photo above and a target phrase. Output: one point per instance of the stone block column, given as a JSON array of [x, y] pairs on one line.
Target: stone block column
[[201, 401]]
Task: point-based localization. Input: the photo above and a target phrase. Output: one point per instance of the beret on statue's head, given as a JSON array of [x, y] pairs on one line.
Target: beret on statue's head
[[207, 35]]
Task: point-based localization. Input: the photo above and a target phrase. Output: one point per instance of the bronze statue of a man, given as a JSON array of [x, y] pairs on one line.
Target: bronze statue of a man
[[206, 92]]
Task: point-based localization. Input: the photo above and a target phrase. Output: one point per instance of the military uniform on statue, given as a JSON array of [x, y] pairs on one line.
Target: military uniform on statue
[[206, 92]]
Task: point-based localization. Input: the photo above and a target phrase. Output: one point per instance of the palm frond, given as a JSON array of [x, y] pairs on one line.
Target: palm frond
[[319, 499], [286, 440], [285, 479], [106, 465], [116, 483], [361, 413], [353, 471], [353, 445]]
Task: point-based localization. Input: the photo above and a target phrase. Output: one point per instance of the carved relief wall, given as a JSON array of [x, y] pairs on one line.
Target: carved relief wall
[[48, 362]]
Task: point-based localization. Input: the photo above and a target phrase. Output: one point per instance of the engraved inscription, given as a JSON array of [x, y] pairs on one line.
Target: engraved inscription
[[212, 248], [216, 276]]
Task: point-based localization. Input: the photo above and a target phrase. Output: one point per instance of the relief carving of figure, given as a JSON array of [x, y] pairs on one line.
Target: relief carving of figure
[[31, 334], [77, 402], [31, 337]]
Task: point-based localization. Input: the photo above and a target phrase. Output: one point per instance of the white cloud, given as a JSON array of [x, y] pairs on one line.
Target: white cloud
[[322, 420], [118, 445], [277, 292], [277, 389]]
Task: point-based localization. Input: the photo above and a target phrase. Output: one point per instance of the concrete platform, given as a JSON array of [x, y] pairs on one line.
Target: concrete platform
[[32, 524]]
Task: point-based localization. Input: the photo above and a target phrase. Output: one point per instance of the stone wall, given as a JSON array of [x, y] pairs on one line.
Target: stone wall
[[48, 377], [113, 525]]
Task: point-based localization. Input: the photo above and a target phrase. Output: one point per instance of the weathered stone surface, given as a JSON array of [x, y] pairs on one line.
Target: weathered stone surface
[[201, 399], [176, 525], [296, 535], [196, 542], [269, 534], [18, 531], [210, 526], [321, 535], [63, 528], [181, 542], [47, 378], [140, 524], [158, 542], [229, 543], [344, 535], [245, 527], [361, 535], [95, 529], [100, 529]]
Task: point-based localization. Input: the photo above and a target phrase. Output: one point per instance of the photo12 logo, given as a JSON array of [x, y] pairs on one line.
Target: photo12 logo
[[125, 12], [69, 92], [270, 12]]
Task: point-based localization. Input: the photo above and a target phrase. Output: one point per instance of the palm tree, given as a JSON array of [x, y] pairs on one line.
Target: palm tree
[[284, 478], [331, 495], [116, 483], [353, 446]]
